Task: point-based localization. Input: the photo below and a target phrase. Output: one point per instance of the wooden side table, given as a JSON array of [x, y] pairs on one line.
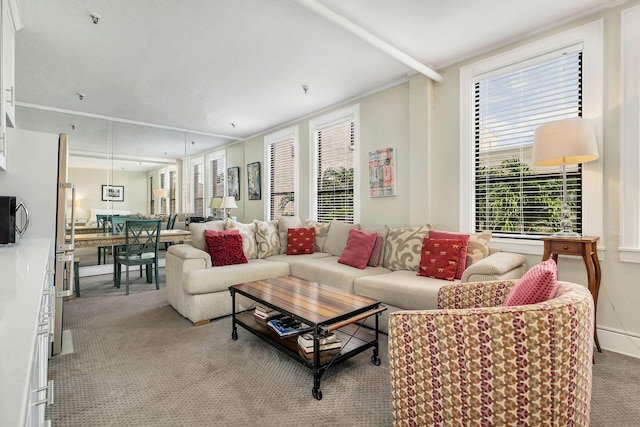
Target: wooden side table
[[587, 248]]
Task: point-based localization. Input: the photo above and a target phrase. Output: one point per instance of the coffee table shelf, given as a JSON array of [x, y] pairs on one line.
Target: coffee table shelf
[[320, 306]]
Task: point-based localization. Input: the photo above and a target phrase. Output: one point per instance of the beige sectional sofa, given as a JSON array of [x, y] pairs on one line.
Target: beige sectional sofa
[[200, 292]]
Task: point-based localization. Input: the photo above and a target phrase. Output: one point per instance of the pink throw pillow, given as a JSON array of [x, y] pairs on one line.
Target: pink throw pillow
[[376, 252], [358, 249], [462, 254], [225, 248], [439, 258], [300, 241], [537, 285]]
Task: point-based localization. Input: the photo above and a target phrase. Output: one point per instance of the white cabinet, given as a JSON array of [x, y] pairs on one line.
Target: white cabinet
[[11, 23]]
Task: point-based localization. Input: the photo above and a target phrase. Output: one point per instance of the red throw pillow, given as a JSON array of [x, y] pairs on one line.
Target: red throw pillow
[[439, 258], [537, 285], [225, 248], [376, 252], [462, 254], [357, 251], [300, 241]]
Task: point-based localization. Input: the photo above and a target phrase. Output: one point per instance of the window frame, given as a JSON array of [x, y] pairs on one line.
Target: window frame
[[291, 132], [348, 113], [591, 38], [215, 155], [629, 250], [192, 185]]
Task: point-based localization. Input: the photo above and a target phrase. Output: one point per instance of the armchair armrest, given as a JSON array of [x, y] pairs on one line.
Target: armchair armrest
[[185, 252], [474, 295], [498, 266]]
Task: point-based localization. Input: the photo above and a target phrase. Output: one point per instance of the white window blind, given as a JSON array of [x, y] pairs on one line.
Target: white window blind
[[512, 197], [152, 195], [217, 173], [162, 199], [172, 191], [198, 188], [281, 178], [335, 171]]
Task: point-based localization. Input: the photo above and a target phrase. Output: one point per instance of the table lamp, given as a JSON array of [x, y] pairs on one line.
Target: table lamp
[[214, 204], [561, 143], [228, 202]]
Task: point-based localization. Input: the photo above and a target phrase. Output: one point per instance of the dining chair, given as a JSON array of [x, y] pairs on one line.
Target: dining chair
[[104, 222], [141, 248], [171, 223]]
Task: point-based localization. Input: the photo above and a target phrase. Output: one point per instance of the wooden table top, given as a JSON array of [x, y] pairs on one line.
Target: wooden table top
[[316, 303], [88, 240]]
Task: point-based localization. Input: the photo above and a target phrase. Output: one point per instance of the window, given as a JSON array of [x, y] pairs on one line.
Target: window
[[512, 197], [281, 169], [503, 99], [172, 191], [162, 198], [217, 174], [198, 187], [630, 136], [151, 195], [334, 181]]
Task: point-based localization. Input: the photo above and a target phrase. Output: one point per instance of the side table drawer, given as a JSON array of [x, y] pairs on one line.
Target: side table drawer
[[568, 248]]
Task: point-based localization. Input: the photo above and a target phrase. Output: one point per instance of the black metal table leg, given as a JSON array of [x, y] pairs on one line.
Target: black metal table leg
[[374, 358], [317, 373], [234, 330]]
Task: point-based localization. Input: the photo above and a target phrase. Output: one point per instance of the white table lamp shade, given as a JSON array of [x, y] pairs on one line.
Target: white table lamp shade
[[215, 203], [228, 202], [569, 141]]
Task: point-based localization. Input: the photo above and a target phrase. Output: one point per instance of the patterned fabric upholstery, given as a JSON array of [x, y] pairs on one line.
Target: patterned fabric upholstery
[[474, 362]]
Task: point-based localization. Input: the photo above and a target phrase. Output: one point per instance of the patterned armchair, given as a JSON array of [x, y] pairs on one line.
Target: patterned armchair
[[474, 362]]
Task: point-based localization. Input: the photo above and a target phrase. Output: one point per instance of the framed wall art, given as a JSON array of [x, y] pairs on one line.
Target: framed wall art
[[113, 193], [233, 182], [253, 181], [382, 172]]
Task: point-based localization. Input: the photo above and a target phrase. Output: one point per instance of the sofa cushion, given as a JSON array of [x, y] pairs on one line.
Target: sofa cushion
[[478, 247], [248, 233], [284, 224], [464, 244], [207, 280], [537, 285], [337, 237], [403, 247], [439, 258], [197, 232], [225, 248], [403, 289], [330, 272], [294, 259], [358, 249], [267, 238], [300, 241], [322, 229]]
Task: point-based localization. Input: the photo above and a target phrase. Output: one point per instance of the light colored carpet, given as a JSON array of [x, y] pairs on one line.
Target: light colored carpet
[[137, 362]]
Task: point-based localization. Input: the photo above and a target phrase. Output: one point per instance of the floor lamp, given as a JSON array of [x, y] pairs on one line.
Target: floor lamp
[[561, 143]]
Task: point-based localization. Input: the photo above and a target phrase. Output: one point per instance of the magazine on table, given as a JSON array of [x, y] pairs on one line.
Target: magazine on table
[[287, 326]]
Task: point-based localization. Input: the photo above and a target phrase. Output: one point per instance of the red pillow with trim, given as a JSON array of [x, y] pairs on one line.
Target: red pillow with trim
[[225, 247], [464, 245], [357, 251], [439, 258], [376, 252], [537, 285], [301, 241]]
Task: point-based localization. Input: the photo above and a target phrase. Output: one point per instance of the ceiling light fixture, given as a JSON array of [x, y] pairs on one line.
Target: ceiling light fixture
[[80, 96], [305, 88], [95, 18], [233, 125]]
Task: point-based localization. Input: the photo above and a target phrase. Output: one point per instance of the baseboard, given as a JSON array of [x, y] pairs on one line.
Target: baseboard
[[619, 342]]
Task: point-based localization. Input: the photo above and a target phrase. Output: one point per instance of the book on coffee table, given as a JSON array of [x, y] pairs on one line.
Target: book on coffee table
[[287, 326], [328, 342]]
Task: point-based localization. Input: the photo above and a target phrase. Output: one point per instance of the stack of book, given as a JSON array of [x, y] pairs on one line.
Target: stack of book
[[265, 313], [329, 346], [287, 326]]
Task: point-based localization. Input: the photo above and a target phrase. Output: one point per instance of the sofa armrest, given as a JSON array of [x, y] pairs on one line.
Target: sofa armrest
[[498, 266], [474, 295], [185, 252]]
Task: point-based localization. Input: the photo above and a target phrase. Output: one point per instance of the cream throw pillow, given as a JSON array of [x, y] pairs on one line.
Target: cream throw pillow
[[403, 247], [478, 248], [248, 233], [197, 232], [267, 238], [337, 237]]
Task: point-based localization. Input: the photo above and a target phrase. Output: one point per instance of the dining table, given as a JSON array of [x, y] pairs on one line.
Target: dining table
[[89, 240]]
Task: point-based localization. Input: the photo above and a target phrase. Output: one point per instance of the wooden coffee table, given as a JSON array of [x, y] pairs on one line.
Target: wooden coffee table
[[324, 308]]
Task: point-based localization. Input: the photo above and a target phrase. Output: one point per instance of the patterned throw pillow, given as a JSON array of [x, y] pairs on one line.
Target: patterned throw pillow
[[464, 243], [267, 238], [300, 241], [376, 252], [537, 285], [439, 258], [248, 233], [337, 237], [225, 248], [322, 229], [478, 248], [284, 224], [358, 249], [403, 247]]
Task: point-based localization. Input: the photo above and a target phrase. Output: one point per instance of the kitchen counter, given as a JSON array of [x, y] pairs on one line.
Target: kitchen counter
[[23, 267]]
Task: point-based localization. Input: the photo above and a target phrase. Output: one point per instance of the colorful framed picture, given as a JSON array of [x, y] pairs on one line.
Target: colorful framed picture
[[382, 172], [113, 193], [253, 181], [233, 182]]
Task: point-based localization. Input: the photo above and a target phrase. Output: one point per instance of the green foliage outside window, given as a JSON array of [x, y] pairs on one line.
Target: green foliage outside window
[[335, 195]]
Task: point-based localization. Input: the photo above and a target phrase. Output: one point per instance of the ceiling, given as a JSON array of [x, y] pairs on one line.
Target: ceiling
[[210, 72]]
